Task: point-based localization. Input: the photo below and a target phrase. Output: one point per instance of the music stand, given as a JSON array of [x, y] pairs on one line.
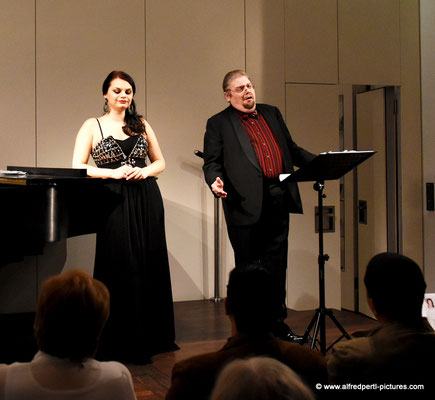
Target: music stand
[[326, 166]]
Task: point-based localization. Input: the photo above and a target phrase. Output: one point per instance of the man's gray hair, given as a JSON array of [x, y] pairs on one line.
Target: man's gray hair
[[233, 75], [262, 378]]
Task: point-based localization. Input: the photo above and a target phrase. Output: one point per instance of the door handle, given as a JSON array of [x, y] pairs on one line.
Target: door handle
[[362, 211]]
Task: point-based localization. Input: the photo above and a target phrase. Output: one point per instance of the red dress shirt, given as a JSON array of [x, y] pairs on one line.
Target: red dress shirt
[[264, 142]]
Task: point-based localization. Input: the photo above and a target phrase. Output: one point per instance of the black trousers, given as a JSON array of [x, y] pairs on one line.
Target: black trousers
[[267, 240]]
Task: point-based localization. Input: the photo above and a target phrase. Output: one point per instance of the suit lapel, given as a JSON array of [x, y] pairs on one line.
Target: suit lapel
[[243, 138]]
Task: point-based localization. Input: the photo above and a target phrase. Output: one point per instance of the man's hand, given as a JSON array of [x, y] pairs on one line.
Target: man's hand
[[218, 188]]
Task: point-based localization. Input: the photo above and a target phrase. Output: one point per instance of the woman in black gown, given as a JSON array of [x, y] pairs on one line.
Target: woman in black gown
[[131, 255]]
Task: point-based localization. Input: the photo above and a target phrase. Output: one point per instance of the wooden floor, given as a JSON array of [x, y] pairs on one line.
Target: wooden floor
[[201, 326]]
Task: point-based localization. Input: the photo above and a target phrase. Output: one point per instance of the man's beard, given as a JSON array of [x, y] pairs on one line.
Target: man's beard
[[249, 104]]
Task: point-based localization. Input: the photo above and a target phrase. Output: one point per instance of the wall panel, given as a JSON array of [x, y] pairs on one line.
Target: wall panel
[[410, 137], [265, 52], [427, 21], [17, 67], [311, 41], [369, 42], [312, 118], [189, 50], [17, 134], [78, 44]]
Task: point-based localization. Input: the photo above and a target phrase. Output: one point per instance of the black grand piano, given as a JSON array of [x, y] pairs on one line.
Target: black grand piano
[[40, 206], [45, 205]]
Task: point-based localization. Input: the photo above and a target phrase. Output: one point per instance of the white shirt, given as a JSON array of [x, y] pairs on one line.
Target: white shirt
[[47, 377]]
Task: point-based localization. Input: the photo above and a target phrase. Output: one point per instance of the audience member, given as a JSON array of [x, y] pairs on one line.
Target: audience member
[[71, 313], [402, 349], [253, 304], [259, 378]]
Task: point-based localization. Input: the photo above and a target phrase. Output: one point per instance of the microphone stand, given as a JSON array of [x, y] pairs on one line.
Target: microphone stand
[[216, 297]]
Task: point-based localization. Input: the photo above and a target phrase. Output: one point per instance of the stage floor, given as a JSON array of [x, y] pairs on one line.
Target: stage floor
[[201, 326]]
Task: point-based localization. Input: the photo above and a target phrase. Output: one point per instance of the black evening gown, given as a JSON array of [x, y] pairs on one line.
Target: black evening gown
[[132, 261]]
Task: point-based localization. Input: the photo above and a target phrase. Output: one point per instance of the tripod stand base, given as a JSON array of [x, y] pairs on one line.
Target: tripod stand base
[[216, 299], [318, 324]]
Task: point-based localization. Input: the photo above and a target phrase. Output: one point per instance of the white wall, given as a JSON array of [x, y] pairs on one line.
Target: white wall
[[56, 53], [17, 134], [189, 50], [318, 133]]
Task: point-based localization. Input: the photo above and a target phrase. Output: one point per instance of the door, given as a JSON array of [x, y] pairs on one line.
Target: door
[[372, 184]]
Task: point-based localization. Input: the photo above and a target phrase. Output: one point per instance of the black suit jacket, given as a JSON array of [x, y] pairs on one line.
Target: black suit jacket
[[194, 377], [228, 154]]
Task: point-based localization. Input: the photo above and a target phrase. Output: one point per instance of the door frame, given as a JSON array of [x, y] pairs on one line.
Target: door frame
[[392, 146]]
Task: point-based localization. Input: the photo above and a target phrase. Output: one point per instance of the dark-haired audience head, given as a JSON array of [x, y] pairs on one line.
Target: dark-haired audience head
[[253, 298], [72, 310], [259, 378], [395, 287]]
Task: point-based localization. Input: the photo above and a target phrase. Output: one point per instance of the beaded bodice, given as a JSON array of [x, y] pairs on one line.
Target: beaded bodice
[[110, 151], [113, 153]]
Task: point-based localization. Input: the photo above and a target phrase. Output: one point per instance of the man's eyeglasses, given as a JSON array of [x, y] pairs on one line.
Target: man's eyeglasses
[[241, 89]]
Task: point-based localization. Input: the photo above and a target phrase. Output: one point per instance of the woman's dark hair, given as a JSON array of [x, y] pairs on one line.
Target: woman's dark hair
[[133, 121], [72, 311]]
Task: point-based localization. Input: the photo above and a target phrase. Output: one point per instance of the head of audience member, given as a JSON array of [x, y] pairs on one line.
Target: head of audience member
[[253, 301], [239, 91], [259, 378], [430, 303], [71, 313], [395, 288]]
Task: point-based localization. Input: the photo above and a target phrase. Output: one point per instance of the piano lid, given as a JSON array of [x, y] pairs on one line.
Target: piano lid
[[36, 176], [65, 172]]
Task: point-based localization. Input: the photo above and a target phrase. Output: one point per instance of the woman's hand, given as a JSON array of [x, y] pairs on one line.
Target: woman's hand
[[121, 172], [136, 174]]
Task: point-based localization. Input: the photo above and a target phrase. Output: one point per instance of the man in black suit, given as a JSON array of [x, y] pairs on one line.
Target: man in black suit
[[246, 147]]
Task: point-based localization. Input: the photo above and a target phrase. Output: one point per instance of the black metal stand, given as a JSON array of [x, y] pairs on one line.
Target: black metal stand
[[326, 166], [216, 298], [318, 320]]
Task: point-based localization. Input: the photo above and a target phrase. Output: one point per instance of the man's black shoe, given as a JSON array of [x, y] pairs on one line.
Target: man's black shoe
[[283, 332], [291, 337]]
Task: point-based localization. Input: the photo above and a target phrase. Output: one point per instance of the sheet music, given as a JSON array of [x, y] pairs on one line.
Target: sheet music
[[346, 151], [328, 165], [12, 174], [283, 176]]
